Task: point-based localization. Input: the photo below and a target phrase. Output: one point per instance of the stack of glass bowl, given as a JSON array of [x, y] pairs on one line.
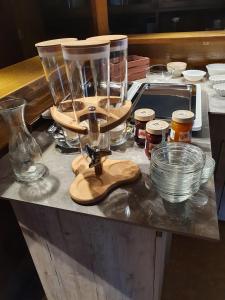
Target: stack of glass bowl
[[176, 170]]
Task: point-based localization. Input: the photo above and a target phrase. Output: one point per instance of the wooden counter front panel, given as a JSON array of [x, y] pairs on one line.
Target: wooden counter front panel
[[81, 257]]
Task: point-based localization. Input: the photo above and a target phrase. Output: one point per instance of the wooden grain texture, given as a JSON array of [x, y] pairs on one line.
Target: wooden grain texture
[[162, 246], [159, 37], [100, 16], [86, 258], [19, 75], [195, 48], [87, 188], [113, 116]]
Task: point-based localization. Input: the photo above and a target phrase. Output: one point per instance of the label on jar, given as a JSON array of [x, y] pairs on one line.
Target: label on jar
[[172, 134], [141, 134], [183, 136]]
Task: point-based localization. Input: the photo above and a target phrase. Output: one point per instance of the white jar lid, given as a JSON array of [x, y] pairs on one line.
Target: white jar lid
[[157, 127], [183, 116], [144, 114]]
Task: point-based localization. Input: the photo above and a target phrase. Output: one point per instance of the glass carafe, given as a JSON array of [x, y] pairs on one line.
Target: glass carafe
[[24, 152]]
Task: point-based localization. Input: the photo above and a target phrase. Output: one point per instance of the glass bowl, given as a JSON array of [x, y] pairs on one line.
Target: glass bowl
[[176, 170], [208, 168], [158, 73]]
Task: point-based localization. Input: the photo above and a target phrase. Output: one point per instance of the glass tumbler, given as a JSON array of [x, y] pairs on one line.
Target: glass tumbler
[[158, 73], [24, 152], [118, 80], [87, 66], [50, 53]]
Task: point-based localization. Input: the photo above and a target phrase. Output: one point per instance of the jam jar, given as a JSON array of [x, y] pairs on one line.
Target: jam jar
[[156, 130], [141, 117], [181, 126]]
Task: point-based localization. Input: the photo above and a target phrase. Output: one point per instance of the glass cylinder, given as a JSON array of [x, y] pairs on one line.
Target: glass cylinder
[[87, 66], [52, 61], [118, 80], [24, 152], [118, 65]]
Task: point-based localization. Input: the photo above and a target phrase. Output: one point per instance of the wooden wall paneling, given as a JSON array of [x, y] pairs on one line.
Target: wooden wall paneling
[[190, 4], [29, 23], [10, 50], [81, 257], [197, 49], [100, 16]]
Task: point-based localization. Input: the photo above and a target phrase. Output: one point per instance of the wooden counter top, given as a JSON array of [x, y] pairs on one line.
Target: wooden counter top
[[160, 37], [137, 204], [19, 75]]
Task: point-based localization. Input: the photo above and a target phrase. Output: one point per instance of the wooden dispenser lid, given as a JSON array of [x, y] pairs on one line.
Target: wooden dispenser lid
[[115, 39], [110, 37], [85, 43], [157, 127], [54, 43], [144, 114], [183, 116]]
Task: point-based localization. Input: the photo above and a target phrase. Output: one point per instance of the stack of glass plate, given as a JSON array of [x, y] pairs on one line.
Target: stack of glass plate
[[176, 170]]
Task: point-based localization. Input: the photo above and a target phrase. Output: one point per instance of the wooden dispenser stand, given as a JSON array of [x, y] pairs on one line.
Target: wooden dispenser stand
[[92, 184]]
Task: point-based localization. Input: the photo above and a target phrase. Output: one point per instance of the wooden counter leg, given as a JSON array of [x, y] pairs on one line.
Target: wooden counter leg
[[81, 257]]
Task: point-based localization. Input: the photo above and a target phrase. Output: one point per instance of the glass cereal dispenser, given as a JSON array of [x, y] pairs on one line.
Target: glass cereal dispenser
[[50, 53], [95, 114], [118, 79]]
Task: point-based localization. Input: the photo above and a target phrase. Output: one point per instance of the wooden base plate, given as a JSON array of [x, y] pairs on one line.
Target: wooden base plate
[[88, 188]]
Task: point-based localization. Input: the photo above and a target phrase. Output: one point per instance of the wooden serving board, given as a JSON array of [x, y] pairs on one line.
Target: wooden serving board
[[88, 188]]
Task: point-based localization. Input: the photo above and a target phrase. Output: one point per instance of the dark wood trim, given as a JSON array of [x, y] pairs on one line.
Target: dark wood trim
[[100, 16]]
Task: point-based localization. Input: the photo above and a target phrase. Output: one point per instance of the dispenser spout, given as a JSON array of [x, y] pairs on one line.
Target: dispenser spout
[[95, 156]]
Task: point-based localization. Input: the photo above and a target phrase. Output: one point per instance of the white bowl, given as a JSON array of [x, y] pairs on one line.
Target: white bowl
[[193, 75], [220, 89], [216, 69], [176, 68], [215, 79]]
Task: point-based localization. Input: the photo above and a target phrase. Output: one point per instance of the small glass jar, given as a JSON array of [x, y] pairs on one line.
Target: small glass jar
[[181, 126], [142, 116], [156, 130]]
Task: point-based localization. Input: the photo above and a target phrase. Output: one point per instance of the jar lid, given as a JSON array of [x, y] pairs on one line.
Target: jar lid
[[183, 116], [157, 127], [144, 114]]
